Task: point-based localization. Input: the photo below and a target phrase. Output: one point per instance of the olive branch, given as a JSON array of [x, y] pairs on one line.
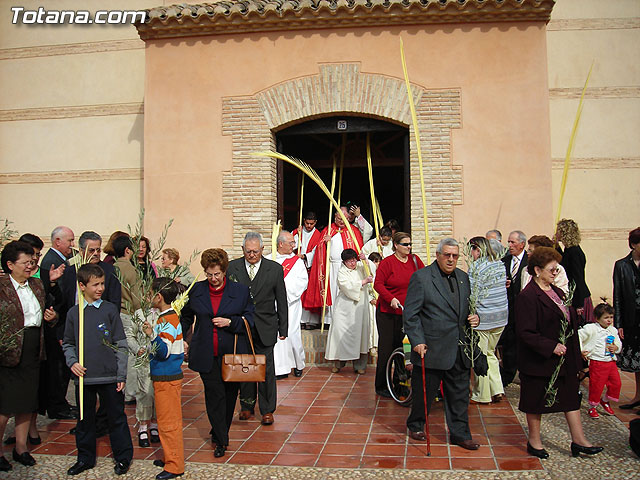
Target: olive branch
[[551, 391]]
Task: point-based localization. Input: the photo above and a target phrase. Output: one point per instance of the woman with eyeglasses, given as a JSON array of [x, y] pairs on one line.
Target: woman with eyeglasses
[[24, 315], [391, 283], [217, 307], [541, 314]]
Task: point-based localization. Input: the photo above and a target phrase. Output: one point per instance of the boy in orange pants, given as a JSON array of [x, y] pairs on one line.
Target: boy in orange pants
[[166, 374]]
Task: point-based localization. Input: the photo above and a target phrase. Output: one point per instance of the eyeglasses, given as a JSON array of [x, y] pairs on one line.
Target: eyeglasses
[[553, 271], [28, 263], [213, 275], [450, 255], [405, 244]]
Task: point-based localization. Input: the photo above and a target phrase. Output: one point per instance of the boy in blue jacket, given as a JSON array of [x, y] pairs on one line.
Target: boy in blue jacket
[[104, 371]]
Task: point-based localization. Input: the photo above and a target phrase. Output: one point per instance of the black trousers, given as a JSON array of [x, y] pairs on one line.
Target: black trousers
[[119, 434], [220, 399], [509, 354], [455, 383], [390, 337], [267, 392], [57, 376]]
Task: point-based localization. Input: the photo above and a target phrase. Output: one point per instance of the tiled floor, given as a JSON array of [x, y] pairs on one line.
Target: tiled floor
[[332, 420]]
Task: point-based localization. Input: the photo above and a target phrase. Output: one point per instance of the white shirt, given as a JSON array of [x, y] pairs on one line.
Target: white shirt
[[513, 260], [247, 265], [30, 305]]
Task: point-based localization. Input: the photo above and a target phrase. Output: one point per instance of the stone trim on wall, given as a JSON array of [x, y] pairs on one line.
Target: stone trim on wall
[[70, 49], [48, 113], [597, 163], [594, 92], [564, 24], [67, 176], [605, 233], [249, 189]]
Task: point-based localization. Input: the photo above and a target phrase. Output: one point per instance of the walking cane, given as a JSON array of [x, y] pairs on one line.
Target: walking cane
[[426, 414]]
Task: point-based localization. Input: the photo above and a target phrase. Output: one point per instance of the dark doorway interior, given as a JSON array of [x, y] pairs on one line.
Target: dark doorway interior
[[318, 142]]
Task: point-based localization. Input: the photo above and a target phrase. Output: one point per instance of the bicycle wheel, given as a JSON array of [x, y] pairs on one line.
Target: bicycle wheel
[[399, 377]]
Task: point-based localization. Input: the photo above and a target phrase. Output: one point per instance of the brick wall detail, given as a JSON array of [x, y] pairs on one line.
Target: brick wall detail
[[249, 189]]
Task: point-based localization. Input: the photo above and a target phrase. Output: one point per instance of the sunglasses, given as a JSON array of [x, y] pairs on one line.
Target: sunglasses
[[405, 244]]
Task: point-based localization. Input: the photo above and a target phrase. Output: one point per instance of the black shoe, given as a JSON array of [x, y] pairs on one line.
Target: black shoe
[[383, 393], [629, 406], [537, 452], [143, 439], [5, 466], [72, 431], [282, 377], [122, 467], [32, 440], [24, 458], [297, 373], [154, 436], [219, 451], [163, 475], [63, 415], [576, 450], [158, 463], [79, 467]]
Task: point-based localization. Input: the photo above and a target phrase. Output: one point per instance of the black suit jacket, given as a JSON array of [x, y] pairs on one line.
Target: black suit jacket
[[537, 328], [430, 316], [54, 295], [516, 282], [235, 304], [112, 288], [269, 295]]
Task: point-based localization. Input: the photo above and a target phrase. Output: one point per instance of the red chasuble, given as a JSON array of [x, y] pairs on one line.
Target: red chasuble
[[312, 298]]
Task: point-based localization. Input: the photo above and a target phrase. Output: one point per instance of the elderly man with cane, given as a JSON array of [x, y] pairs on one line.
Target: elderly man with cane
[[435, 317]]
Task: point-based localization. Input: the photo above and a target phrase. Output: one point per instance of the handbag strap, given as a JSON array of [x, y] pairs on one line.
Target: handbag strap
[[235, 340]]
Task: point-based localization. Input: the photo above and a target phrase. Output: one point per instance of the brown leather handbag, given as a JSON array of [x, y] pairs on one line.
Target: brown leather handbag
[[242, 367]]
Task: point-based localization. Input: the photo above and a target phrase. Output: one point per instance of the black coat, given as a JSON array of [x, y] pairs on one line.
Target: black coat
[[269, 295], [624, 293], [537, 330], [431, 317], [574, 262], [516, 282], [112, 288], [54, 295], [235, 304]]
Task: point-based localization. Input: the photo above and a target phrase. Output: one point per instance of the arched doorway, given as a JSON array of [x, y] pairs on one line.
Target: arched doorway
[[319, 141]]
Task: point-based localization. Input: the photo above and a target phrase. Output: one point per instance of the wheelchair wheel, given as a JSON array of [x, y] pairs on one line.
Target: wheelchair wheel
[[399, 377]]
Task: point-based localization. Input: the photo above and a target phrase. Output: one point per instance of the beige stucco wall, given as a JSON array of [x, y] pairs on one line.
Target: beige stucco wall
[[494, 100], [602, 194], [72, 125]]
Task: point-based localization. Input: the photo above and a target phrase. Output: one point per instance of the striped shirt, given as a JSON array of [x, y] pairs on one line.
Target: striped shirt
[[493, 306], [166, 361]]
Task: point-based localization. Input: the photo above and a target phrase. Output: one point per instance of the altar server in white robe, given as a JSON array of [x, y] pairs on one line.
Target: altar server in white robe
[[386, 245], [348, 337], [289, 353]]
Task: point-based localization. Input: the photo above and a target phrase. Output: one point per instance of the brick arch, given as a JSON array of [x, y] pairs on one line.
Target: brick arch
[[249, 189]]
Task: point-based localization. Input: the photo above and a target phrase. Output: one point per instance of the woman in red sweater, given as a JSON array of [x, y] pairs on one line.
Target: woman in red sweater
[[392, 280]]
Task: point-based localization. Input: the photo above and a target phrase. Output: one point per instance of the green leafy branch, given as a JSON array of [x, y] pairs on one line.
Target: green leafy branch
[[551, 392]]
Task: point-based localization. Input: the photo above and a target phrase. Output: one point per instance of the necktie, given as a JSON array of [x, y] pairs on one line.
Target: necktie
[[514, 269], [252, 272]]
